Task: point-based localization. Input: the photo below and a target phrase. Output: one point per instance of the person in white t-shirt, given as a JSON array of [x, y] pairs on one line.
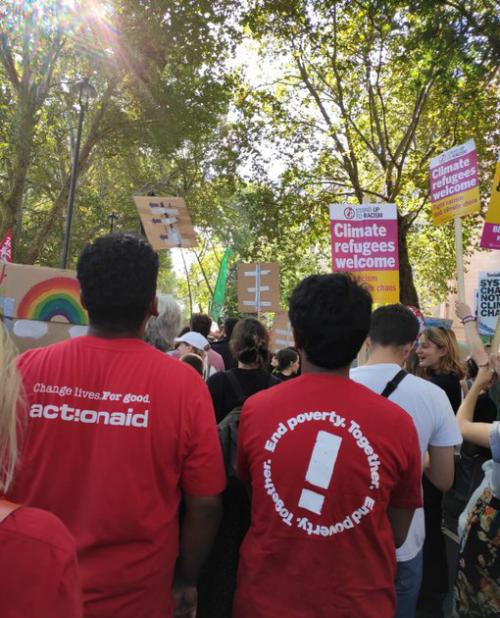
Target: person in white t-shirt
[[393, 332]]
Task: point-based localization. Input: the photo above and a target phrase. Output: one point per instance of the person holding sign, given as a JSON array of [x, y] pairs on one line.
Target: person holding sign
[[476, 585]]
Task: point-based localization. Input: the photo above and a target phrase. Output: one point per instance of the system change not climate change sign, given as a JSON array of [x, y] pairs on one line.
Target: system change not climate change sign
[[365, 242]]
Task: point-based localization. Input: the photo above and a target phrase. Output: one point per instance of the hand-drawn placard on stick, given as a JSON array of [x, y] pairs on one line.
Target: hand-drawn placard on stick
[[166, 221], [281, 332], [259, 287]]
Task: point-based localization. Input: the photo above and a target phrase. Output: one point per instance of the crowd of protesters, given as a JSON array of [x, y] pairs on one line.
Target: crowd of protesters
[[150, 471]]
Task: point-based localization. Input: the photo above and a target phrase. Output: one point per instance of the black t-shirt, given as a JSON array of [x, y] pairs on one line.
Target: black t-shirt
[[450, 383], [222, 347], [282, 377], [223, 396]]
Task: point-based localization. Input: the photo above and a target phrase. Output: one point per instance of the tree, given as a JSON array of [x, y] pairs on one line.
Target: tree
[[372, 90]]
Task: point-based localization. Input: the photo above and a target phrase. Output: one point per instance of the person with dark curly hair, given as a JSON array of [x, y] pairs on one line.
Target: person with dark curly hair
[[117, 433], [334, 470]]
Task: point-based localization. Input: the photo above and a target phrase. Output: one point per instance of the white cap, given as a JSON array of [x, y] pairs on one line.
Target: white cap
[[197, 340]]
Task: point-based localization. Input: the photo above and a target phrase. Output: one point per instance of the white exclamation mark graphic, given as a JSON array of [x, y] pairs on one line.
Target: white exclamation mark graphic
[[320, 470]]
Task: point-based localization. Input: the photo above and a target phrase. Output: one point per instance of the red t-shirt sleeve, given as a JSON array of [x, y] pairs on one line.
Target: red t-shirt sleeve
[[407, 493], [203, 470], [70, 596]]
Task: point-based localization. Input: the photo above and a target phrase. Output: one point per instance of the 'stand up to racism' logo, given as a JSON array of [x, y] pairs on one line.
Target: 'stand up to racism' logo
[[349, 213]]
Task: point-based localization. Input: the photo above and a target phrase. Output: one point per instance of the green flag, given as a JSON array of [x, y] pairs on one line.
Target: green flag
[[220, 287]]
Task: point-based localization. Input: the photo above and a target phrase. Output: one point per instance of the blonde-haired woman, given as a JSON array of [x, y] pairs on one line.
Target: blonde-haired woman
[[439, 362], [38, 568]]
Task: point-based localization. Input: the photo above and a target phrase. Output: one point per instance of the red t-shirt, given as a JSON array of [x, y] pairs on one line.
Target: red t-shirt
[[38, 568], [116, 429], [325, 457]]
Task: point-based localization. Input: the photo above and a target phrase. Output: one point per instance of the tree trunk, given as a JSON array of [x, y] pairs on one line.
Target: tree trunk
[[22, 146], [408, 292]]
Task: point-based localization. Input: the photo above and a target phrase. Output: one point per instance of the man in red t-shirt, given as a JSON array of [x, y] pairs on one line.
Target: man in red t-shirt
[[117, 432], [335, 472]]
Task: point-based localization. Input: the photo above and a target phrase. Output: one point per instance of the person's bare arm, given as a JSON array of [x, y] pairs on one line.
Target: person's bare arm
[[476, 347], [441, 467], [477, 433], [199, 529], [400, 520]]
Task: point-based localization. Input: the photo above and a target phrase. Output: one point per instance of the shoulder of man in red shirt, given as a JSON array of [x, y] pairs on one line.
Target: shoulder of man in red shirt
[[38, 566]]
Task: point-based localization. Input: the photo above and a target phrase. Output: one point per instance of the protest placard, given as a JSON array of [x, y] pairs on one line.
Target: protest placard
[[365, 242], [259, 287], [490, 238], [281, 332], [166, 221], [488, 303], [42, 294], [39, 305], [454, 183]]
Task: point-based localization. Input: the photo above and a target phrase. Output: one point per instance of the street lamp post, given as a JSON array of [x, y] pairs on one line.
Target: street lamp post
[[113, 217], [85, 91]]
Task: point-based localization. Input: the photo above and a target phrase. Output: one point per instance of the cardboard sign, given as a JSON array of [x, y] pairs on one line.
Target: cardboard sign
[[166, 222], [454, 183], [40, 294], [490, 238], [28, 334], [259, 287], [365, 242], [488, 303], [281, 332]]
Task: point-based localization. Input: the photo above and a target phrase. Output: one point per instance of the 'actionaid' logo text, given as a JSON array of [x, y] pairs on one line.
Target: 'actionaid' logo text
[[89, 417]]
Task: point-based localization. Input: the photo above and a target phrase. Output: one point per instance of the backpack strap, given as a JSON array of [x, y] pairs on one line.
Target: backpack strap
[[392, 385], [236, 386]]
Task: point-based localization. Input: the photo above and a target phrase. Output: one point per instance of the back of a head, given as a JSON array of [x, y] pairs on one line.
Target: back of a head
[[250, 342], [10, 386], [117, 274], [229, 324], [330, 316], [286, 357], [393, 326], [162, 330], [201, 323], [195, 361]]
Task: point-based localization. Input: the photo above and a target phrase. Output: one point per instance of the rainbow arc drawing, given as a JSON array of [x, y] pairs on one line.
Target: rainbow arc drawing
[[53, 299]]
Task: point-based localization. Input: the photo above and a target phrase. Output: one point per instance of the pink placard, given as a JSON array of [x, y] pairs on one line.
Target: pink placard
[[364, 245], [454, 176], [490, 238]]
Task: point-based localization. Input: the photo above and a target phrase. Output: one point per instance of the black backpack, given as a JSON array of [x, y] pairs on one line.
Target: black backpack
[[228, 427]]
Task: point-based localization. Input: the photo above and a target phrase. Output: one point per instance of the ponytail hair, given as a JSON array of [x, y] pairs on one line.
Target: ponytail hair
[[250, 342], [10, 388]]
